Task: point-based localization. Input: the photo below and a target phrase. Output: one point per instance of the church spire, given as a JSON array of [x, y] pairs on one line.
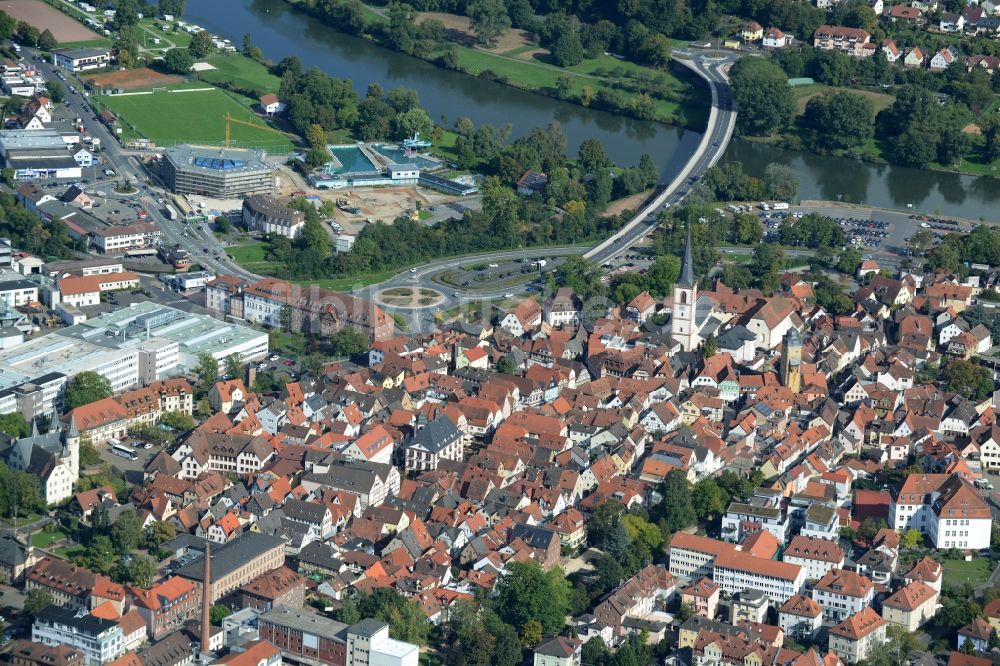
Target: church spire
[[687, 266]]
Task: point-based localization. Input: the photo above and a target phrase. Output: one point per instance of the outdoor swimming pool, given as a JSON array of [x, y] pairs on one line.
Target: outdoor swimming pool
[[348, 159], [399, 156]]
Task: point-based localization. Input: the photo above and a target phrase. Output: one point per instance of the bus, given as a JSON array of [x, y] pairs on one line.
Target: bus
[[124, 451]]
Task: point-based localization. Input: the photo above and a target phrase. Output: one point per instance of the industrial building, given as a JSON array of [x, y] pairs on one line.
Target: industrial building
[[42, 153], [132, 346], [221, 173]]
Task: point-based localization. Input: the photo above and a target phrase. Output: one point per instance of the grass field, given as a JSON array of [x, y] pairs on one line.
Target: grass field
[[960, 572], [241, 71], [540, 76], [193, 117]]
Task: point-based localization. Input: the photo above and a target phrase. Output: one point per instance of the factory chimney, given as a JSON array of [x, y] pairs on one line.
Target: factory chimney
[[206, 599]]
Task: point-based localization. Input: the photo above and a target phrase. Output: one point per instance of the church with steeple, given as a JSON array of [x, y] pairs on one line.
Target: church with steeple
[[53, 457], [687, 319]]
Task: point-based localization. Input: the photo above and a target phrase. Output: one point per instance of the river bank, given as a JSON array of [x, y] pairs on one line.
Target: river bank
[[673, 96]]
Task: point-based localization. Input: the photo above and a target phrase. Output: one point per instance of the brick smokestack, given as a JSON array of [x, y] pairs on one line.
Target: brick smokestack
[[206, 600]]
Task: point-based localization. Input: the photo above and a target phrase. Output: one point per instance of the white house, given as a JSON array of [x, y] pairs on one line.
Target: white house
[[270, 105], [817, 556], [843, 593]]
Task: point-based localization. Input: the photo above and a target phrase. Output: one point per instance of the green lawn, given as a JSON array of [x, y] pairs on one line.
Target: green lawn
[[288, 344], [46, 539], [99, 43], [959, 572], [251, 257], [240, 71], [193, 117]]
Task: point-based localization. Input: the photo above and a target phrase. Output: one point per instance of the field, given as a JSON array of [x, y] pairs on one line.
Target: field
[[167, 118], [459, 30], [251, 257], [133, 79], [805, 93], [242, 72], [42, 16], [45, 539]]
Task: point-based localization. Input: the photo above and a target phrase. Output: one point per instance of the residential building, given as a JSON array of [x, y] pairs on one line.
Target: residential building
[[167, 605], [29, 653], [800, 617], [852, 41], [843, 593], [770, 516], [270, 105], [945, 507], [816, 556], [853, 639], [558, 651], [911, 606], [100, 421], [774, 38], [693, 556], [72, 586], [264, 213], [703, 596], [100, 640], [735, 572], [563, 308]]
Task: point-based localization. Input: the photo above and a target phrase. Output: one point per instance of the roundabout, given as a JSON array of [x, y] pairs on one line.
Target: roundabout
[[409, 298]]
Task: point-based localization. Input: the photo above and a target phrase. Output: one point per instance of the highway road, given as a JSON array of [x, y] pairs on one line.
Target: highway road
[[721, 123]]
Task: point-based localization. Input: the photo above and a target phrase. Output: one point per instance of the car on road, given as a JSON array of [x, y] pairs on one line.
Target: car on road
[[456, 294], [273, 357], [413, 270], [509, 295], [289, 362]]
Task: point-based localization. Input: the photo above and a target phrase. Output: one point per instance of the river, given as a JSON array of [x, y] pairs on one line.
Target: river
[[280, 30]]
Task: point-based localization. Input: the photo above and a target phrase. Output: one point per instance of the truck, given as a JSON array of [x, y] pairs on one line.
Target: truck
[[780, 205], [170, 212]]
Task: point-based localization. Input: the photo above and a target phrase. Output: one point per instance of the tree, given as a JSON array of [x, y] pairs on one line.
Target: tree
[[85, 388], [173, 8], [219, 613], [591, 157], [708, 499], [141, 571], [178, 61], [349, 341], [318, 153], [763, 96], [489, 19], [401, 32], [36, 599], [840, 120], [989, 126], [47, 41], [568, 51], [407, 621], [911, 538], [527, 592], [159, 533], [14, 426], [896, 649], [966, 378], [234, 366], [200, 45], [870, 527], [531, 633], [126, 533], [781, 182], [505, 366], [178, 421], [675, 511], [207, 370], [27, 33]]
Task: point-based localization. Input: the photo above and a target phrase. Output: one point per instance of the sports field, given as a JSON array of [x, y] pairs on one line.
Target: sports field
[[168, 118]]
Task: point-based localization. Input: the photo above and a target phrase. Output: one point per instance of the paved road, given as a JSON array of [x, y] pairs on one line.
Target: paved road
[[721, 123]]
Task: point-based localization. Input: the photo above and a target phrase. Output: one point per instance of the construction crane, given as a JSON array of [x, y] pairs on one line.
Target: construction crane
[[230, 119]]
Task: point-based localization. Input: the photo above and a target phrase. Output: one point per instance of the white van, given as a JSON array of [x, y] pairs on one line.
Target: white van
[[781, 205]]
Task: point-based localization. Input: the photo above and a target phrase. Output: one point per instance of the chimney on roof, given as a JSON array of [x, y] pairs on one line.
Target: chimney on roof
[[206, 599]]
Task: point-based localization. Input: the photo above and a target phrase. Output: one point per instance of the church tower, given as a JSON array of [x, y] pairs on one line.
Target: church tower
[[683, 328], [791, 360], [71, 447]]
